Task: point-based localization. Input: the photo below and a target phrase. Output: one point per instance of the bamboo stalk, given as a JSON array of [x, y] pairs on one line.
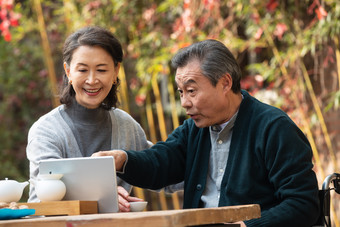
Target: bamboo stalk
[[159, 107], [47, 53], [309, 135], [175, 123], [337, 55], [314, 149], [162, 200], [319, 114], [153, 137], [139, 192], [151, 123], [162, 128], [307, 129]]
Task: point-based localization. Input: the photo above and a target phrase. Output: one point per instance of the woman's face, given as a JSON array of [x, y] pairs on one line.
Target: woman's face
[[92, 73]]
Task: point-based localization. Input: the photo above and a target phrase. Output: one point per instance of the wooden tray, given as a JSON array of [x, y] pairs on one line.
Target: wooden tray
[[73, 207]]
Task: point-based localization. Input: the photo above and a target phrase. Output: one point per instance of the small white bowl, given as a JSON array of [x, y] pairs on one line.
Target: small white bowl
[[137, 206]]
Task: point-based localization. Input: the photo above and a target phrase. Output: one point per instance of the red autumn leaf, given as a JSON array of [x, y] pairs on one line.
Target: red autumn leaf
[[140, 99], [186, 4], [7, 36], [4, 25], [329, 57], [8, 4], [209, 4], [14, 22], [8, 18], [182, 45], [14, 19], [271, 5], [3, 14], [258, 34], [149, 13], [133, 84], [280, 29], [320, 12], [248, 82], [32, 85], [258, 50], [255, 17], [312, 6]]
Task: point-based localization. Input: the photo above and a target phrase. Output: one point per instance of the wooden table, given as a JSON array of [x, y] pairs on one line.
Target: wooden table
[[168, 218]]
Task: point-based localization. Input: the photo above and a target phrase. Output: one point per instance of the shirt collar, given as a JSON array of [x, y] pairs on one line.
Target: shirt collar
[[230, 123]]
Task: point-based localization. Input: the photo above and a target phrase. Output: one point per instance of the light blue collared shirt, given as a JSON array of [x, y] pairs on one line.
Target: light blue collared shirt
[[220, 136]]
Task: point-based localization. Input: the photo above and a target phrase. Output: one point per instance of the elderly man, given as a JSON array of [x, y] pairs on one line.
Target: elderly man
[[234, 150]]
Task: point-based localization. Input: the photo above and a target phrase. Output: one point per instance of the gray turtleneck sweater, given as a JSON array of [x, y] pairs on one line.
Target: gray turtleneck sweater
[[68, 132]]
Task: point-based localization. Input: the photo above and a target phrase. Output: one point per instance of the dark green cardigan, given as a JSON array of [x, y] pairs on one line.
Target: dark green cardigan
[[270, 163]]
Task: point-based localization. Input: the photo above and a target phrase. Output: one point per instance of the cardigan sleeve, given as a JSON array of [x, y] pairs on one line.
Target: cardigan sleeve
[[161, 165], [288, 160]]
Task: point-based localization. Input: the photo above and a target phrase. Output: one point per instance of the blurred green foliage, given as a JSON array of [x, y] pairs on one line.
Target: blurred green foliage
[[24, 96]]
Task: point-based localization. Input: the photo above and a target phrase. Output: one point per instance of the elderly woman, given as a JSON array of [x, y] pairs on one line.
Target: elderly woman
[[88, 120]]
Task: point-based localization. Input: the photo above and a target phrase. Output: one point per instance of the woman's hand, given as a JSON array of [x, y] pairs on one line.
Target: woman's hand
[[124, 199]]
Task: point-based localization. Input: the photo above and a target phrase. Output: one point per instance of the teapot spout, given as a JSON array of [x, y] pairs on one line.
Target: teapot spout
[[24, 184]]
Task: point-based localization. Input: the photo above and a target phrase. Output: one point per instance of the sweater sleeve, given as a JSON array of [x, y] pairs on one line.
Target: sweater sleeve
[[42, 144], [288, 160]]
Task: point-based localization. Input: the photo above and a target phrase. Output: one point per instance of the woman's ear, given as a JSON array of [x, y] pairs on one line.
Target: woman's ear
[[67, 69], [116, 71]]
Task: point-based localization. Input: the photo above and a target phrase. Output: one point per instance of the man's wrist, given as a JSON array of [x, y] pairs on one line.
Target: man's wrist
[[124, 159]]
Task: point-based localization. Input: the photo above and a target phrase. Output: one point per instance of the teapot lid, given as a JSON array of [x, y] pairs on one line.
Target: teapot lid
[[6, 180]]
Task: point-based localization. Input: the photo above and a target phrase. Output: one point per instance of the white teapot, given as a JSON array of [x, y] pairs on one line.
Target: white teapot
[[49, 187], [11, 190]]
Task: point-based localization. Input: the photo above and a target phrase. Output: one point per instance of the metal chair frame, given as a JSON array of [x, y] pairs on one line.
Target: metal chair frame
[[324, 219]]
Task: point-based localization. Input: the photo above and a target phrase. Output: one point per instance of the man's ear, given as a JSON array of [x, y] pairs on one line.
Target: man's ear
[[67, 69], [226, 81]]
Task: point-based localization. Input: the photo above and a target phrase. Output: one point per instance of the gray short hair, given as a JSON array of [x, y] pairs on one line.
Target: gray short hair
[[215, 58]]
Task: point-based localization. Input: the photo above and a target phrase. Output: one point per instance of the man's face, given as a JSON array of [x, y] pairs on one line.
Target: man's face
[[203, 102]]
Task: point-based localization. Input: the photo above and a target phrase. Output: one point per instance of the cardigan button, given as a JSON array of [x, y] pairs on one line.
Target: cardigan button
[[199, 187]]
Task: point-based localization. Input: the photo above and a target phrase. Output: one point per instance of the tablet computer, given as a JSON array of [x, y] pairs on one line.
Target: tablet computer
[[87, 179]]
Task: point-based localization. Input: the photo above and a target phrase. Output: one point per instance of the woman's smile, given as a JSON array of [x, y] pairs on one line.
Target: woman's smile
[[92, 92], [92, 73]]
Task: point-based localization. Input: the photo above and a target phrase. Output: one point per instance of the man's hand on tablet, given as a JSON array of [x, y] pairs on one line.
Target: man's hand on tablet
[[119, 156]]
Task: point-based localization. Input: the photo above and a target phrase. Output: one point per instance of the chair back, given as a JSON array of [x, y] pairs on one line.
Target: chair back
[[325, 200]]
